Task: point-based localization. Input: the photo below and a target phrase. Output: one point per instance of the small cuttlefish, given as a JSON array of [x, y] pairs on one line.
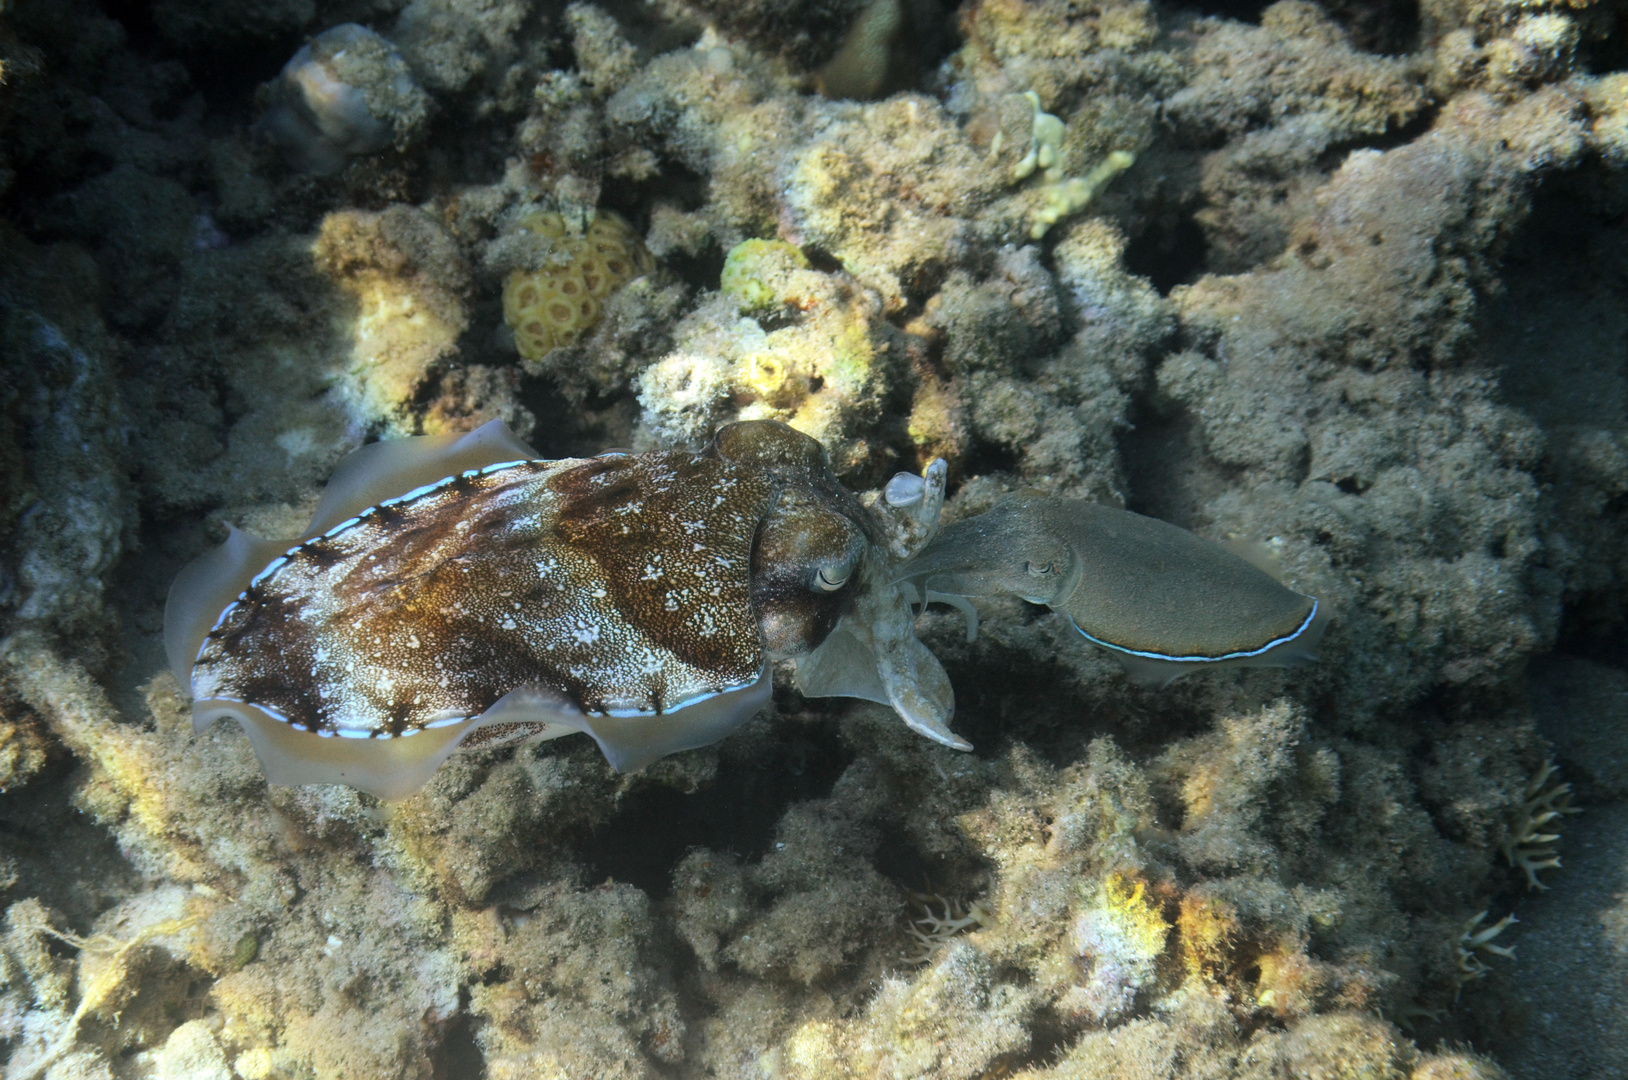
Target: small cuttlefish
[[458, 590], [1162, 601]]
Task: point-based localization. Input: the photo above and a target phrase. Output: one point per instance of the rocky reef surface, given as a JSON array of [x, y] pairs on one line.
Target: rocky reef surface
[[1345, 281]]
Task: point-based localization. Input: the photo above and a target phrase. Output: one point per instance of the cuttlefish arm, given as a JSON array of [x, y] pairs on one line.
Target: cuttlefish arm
[[1163, 601], [872, 653]]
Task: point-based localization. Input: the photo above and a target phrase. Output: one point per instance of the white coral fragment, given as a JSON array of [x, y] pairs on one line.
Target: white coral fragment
[[1476, 942], [1529, 844], [932, 930], [1045, 141]]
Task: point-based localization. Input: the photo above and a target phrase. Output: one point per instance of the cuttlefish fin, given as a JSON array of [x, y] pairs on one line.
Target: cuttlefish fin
[[631, 742], [388, 768], [1292, 650], [203, 589], [1166, 602], [394, 467], [366, 477]]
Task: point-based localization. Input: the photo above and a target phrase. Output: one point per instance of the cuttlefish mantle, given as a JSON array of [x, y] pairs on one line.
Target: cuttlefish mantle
[[453, 591], [1162, 601]]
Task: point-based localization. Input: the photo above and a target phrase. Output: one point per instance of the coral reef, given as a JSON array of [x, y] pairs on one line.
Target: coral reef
[[1340, 284], [559, 301], [789, 343]]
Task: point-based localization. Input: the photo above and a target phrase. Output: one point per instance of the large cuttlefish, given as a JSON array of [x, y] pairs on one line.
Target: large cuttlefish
[[457, 590]]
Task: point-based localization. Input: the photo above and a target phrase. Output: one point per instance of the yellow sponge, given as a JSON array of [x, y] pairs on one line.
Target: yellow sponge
[[558, 303]]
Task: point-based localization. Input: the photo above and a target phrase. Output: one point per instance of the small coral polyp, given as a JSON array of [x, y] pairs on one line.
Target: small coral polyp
[[557, 303]]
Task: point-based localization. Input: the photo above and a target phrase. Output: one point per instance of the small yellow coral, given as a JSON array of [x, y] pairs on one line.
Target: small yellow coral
[[1064, 195], [1137, 919], [1118, 938], [1209, 929], [556, 304], [752, 269]]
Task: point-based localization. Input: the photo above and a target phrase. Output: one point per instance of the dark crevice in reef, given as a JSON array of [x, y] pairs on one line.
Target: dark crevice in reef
[[59, 855], [459, 1057], [1607, 55], [566, 428], [1388, 27], [656, 826], [228, 79], [899, 860], [674, 184], [136, 17], [700, 270], [1169, 252], [1586, 635], [679, 187], [1394, 135], [937, 36], [1248, 11], [988, 459], [1561, 358], [1164, 478]]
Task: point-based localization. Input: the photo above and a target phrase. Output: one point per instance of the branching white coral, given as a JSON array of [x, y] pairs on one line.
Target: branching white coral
[[933, 930], [1533, 830], [1475, 943]]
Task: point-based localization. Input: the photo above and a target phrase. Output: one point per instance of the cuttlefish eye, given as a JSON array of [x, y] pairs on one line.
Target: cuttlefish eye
[[803, 568], [832, 578], [1040, 569]]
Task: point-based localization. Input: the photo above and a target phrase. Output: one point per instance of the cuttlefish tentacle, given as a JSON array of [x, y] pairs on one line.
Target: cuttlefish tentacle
[[873, 654], [1162, 600]]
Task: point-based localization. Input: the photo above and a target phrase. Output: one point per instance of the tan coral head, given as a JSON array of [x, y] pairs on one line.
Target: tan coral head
[[454, 590], [557, 303], [1163, 601]]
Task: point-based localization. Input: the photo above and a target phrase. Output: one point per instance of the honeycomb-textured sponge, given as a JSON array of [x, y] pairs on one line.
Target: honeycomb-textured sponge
[[558, 303]]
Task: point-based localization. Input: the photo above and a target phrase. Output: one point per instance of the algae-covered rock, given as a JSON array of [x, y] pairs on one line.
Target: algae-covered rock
[[782, 342], [68, 511], [1339, 286], [405, 279]]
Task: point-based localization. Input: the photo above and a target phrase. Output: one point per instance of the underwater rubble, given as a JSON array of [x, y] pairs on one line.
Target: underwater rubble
[[1343, 285]]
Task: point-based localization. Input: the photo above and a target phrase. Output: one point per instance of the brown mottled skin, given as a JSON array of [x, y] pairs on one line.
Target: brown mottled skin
[[628, 583]]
